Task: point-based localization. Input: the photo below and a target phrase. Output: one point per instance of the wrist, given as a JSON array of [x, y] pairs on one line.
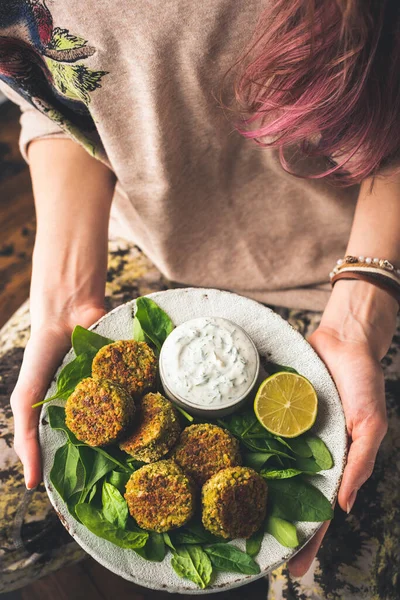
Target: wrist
[[360, 312]]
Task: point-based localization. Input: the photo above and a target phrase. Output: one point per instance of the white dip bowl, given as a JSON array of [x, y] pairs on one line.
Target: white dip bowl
[[208, 366]]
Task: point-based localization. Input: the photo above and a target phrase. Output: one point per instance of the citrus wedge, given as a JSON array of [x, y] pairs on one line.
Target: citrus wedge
[[286, 404]]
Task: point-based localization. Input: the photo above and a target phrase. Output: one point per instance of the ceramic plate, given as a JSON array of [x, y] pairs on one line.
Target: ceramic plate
[[276, 340]]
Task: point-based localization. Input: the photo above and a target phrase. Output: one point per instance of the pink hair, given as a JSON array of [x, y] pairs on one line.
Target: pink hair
[[324, 76]]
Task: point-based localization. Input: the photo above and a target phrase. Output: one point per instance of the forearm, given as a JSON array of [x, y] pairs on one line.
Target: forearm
[[73, 194], [358, 310]]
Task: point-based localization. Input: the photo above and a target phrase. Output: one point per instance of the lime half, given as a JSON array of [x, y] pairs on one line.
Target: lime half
[[286, 404]]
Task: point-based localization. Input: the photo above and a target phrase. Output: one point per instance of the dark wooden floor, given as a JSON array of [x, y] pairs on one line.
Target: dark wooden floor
[[87, 580], [17, 217]]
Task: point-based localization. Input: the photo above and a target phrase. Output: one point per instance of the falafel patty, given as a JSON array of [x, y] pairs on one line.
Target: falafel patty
[[205, 449], [98, 411], [160, 497], [234, 502], [155, 431], [131, 364]]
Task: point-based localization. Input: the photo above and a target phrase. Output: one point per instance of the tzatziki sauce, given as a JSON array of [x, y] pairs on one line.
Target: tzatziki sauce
[[209, 361]]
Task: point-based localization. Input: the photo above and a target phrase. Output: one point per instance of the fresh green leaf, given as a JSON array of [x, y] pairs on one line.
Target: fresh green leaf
[[270, 446], [297, 500], [191, 562], [115, 508], [96, 465], [92, 494], [184, 413], [299, 446], [155, 323], [155, 549], [245, 425], [63, 474], [88, 342], [275, 368], [182, 536], [193, 533], [138, 333], [70, 376], [279, 474], [283, 531], [253, 544], [96, 522], [119, 480], [319, 451], [226, 557], [168, 542], [256, 460], [307, 465], [56, 415]]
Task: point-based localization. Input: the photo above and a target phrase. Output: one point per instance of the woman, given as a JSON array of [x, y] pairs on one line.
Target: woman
[[120, 101]]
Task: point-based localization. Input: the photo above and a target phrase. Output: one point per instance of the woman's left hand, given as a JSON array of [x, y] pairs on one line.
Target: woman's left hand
[[354, 335]]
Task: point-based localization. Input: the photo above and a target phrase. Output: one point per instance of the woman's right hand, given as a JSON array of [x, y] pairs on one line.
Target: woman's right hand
[[43, 354]]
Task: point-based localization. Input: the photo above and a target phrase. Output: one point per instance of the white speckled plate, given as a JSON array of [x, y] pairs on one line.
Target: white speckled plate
[[275, 339]]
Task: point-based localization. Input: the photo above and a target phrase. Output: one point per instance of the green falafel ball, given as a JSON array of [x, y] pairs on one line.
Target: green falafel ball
[[155, 430], [160, 497], [234, 503], [131, 364], [98, 412], [204, 449]]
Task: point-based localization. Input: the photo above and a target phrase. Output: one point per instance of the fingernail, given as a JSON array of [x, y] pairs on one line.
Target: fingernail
[[351, 500]]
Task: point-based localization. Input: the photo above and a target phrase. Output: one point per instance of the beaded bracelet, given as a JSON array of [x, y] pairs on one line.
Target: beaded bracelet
[[362, 262], [377, 271]]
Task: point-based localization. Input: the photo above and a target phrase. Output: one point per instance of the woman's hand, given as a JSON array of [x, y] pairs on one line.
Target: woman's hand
[[72, 200], [44, 352], [354, 335]]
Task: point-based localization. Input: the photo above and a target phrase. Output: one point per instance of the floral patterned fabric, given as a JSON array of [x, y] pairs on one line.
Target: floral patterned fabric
[[360, 556]]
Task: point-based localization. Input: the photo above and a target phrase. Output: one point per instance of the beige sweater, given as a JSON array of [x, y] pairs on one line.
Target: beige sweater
[[135, 83]]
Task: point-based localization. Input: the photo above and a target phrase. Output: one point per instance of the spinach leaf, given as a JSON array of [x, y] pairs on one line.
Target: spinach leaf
[[319, 451], [297, 500], [283, 531], [72, 503], [115, 509], [307, 465], [63, 474], [56, 416], [92, 493], [184, 413], [280, 474], [182, 537], [225, 557], [299, 446], [69, 377], [168, 542], [191, 562], [87, 342], [266, 445], [256, 460], [193, 533], [119, 480], [95, 521], [138, 333], [155, 549], [155, 323], [253, 544], [96, 465], [275, 368], [245, 425]]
